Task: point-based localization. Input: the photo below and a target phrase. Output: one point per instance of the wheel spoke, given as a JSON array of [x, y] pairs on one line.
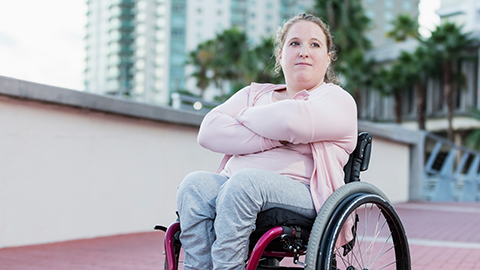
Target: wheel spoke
[[364, 255]]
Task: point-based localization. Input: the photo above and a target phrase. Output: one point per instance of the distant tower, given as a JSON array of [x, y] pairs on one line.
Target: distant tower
[[125, 46]]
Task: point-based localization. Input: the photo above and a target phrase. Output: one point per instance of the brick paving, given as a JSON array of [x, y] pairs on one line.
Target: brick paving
[[441, 236]]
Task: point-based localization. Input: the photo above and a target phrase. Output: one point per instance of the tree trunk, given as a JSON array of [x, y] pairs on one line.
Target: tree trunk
[[398, 106], [421, 97], [331, 16], [448, 94], [346, 8]]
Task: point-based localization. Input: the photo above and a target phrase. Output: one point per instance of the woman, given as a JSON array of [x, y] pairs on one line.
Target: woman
[[284, 145]]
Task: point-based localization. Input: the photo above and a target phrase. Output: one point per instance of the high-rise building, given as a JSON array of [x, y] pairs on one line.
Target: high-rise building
[[461, 12], [382, 13], [126, 46]]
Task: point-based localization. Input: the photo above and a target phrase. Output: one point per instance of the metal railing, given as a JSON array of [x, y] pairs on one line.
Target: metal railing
[[451, 172]]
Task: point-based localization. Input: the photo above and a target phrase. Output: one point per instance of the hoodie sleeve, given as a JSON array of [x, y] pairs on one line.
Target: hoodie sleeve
[[221, 132], [329, 114]]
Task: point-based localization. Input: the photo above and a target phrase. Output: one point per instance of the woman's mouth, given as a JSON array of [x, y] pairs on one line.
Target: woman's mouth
[[303, 64]]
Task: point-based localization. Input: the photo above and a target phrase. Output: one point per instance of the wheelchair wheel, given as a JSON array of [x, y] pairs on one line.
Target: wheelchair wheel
[[379, 240]]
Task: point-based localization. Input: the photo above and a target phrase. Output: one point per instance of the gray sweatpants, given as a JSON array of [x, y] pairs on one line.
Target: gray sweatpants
[[217, 214]]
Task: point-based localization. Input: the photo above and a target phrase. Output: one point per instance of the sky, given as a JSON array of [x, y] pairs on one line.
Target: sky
[[43, 41]]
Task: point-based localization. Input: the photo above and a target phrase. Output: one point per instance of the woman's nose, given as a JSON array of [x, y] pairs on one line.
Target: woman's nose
[[303, 52]]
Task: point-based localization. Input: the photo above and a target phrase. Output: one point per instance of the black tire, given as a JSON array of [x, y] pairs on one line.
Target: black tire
[[324, 251]]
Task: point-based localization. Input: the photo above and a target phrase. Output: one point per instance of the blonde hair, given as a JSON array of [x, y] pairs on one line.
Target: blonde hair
[[330, 76]]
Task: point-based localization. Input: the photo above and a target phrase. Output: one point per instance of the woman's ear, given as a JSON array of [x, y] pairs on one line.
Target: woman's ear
[[329, 58], [280, 55]]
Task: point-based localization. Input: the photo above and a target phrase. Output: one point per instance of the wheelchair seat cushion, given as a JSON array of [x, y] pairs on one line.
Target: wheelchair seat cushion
[[274, 217]]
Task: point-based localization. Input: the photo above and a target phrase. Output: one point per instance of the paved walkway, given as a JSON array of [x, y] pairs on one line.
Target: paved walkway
[[441, 235]]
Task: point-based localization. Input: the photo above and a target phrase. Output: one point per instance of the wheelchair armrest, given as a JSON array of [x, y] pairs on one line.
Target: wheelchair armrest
[[359, 159]]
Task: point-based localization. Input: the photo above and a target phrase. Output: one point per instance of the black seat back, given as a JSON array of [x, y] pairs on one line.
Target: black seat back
[[359, 158]]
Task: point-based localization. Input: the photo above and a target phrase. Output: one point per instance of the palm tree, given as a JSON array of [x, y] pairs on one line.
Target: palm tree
[[219, 60], [230, 45], [448, 44], [201, 60], [259, 63], [399, 77], [425, 67], [419, 66], [227, 58], [348, 24], [357, 74], [404, 27]]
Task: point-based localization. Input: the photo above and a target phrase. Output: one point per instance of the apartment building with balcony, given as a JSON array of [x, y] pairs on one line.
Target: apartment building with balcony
[[127, 47]]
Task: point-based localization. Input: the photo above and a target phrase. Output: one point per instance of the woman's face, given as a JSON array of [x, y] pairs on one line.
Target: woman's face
[[304, 56]]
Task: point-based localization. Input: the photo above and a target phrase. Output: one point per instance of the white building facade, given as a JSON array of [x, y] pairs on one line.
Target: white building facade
[[461, 12], [127, 45]]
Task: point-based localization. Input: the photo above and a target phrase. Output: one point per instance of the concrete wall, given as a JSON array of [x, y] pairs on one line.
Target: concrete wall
[[70, 173], [75, 165], [389, 169], [397, 161]]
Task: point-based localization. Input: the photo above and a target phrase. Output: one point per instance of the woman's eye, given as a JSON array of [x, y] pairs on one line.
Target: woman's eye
[[315, 45], [294, 43]]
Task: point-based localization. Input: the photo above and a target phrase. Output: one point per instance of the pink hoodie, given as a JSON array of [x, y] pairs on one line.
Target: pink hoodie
[[325, 118]]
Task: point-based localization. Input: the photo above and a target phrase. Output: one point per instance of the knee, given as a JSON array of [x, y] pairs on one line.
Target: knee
[[243, 181], [248, 177], [241, 191], [192, 183]]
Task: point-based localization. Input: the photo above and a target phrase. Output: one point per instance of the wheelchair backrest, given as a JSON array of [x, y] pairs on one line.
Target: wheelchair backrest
[[359, 158]]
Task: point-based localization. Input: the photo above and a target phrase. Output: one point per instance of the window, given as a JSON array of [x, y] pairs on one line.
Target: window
[[389, 4], [178, 8], [406, 5], [387, 27], [388, 17], [370, 14], [178, 32]]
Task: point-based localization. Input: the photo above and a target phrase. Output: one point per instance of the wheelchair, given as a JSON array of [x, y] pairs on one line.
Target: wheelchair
[[357, 228]]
